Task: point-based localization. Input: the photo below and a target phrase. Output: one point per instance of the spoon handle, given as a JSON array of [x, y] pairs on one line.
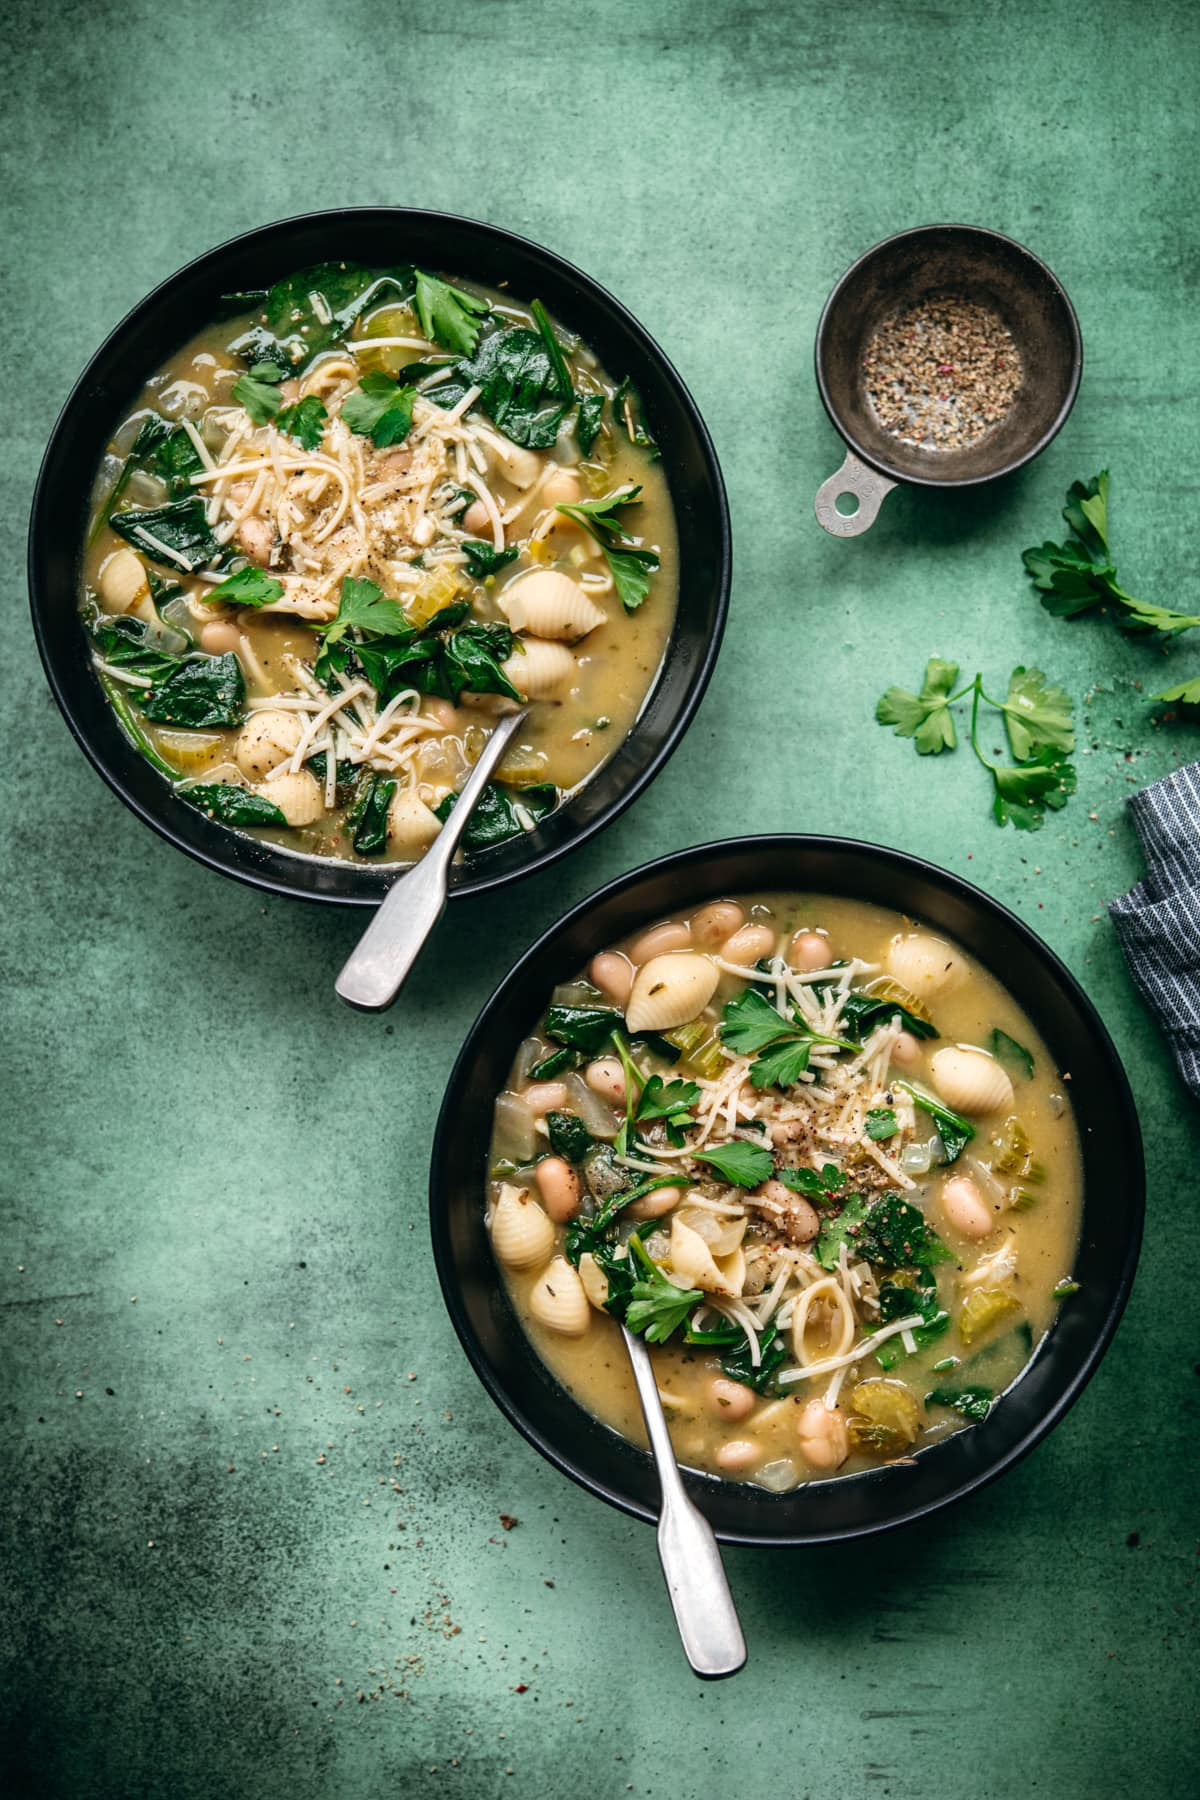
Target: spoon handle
[[377, 967], [705, 1615]]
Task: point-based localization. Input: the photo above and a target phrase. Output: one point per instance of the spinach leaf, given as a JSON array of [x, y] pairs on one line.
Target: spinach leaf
[[585, 1028], [496, 819], [316, 307], [133, 644], [519, 387], [627, 407], [861, 1013], [895, 1235], [470, 661], [250, 586], [483, 560], [367, 818], [150, 434], [230, 805], [177, 460], [974, 1403], [559, 1062], [204, 690], [447, 314], [908, 1292], [954, 1131], [304, 421], [743, 1165], [259, 392], [736, 1363], [1007, 1050], [656, 1307], [587, 426], [177, 535], [569, 1136], [379, 409]]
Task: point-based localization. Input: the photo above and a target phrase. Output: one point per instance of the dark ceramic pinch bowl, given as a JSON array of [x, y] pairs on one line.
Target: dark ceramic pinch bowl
[[376, 236], [982, 266], [852, 1506]]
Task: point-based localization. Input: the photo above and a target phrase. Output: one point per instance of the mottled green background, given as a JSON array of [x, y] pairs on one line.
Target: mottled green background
[[253, 1489]]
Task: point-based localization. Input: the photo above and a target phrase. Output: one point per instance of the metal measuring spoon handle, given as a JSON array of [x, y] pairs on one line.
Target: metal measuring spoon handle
[[376, 969], [705, 1615]]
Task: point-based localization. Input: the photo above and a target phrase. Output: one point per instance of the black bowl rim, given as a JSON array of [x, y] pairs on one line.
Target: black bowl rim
[[684, 862], [902, 477], [336, 218]]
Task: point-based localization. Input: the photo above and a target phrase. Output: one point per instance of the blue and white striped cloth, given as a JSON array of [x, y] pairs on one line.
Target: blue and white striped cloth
[[1158, 921]]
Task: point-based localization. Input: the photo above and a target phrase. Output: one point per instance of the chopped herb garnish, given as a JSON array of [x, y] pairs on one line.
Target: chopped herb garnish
[[743, 1165], [657, 1307], [630, 565], [258, 391], [881, 1123], [379, 409], [750, 1025], [304, 421], [448, 315]]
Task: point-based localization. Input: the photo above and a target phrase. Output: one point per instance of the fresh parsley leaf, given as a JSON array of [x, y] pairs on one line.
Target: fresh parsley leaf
[[1078, 575], [657, 1307], [881, 1123], [230, 805], [924, 717], [483, 560], [820, 1187], [304, 421], [973, 1403], [204, 690], [1023, 793], [259, 393], [448, 315], [1037, 715], [749, 1023], [842, 1229], [783, 1064], [362, 607], [1006, 1049], [569, 1136], [379, 409], [248, 587], [669, 1101], [1184, 693], [743, 1165], [586, 1028], [954, 1131], [630, 564], [895, 1235], [177, 536], [588, 423]]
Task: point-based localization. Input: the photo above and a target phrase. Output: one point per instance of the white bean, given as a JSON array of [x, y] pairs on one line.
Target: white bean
[[606, 1077], [716, 922], [965, 1209], [612, 974], [824, 1443], [738, 1454], [730, 1399], [544, 1096], [658, 940], [809, 950], [558, 1184]]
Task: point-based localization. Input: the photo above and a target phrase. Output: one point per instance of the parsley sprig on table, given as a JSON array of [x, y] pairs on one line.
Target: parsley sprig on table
[[1037, 717]]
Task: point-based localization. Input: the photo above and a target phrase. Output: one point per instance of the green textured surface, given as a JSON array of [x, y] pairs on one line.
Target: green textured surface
[[229, 1375]]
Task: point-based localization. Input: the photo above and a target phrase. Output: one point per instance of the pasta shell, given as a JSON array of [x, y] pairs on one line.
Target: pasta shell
[[522, 1235], [550, 604], [540, 668], [298, 796], [411, 824], [595, 1281], [721, 1233], [557, 1300], [927, 965], [970, 1080], [122, 581], [671, 990], [694, 1265], [266, 740]]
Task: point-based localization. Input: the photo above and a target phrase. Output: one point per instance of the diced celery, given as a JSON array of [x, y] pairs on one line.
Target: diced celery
[[983, 1309], [885, 1418]]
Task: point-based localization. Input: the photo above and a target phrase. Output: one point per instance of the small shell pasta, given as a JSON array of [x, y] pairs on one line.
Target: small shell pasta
[[551, 605], [970, 1080], [298, 797], [522, 1235], [926, 965], [557, 1299], [266, 740], [694, 1265], [539, 669], [122, 581], [412, 826], [670, 990]]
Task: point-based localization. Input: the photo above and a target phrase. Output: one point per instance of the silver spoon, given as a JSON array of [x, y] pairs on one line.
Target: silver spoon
[[705, 1615], [377, 968]]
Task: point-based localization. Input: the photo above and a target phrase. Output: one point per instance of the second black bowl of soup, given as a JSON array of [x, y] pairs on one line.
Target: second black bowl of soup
[[860, 1139], [335, 493]]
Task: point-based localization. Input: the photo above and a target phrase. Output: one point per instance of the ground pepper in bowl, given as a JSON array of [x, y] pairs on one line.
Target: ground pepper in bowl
[[941, 372]]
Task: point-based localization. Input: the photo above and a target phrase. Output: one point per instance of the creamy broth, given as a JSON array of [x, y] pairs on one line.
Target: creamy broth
[[350, 490], [911, 1266]]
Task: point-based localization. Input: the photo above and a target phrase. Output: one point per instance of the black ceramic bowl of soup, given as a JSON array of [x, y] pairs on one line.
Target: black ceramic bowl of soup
[[1110, 1188], [184, 306]]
